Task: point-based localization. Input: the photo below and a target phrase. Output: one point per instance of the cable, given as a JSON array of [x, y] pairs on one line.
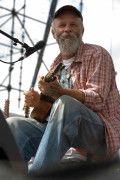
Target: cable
[[10, 62]]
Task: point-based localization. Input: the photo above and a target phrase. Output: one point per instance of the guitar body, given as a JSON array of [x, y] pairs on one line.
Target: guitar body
[[41, 111]]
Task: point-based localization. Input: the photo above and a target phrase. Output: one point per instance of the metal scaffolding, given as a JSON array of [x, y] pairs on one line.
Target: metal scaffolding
[[12, 15]]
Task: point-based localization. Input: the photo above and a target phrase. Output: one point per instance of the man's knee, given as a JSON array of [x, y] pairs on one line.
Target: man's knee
[[11, 120], [67, 100], [14, 123]]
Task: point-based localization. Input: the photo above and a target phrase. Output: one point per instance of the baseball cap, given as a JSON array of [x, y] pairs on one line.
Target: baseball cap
[[67, 8]]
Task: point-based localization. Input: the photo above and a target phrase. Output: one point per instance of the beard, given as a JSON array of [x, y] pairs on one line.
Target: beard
[[68, 42]]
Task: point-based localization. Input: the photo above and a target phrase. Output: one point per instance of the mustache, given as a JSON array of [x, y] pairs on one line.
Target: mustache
[[68, 35]]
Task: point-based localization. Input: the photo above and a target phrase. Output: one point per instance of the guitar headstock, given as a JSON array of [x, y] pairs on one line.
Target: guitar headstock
[[51, 74]]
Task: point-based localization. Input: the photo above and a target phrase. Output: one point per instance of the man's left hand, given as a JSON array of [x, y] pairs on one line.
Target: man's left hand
[[50, 89]]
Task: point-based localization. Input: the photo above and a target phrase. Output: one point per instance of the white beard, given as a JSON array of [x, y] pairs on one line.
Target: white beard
[[68, 43]]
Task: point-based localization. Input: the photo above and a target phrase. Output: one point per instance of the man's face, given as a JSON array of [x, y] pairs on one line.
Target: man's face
[[68, 30]]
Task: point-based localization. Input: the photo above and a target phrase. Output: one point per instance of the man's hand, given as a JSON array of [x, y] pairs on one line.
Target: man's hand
[[55, 90], [31, 97], [52, 89]]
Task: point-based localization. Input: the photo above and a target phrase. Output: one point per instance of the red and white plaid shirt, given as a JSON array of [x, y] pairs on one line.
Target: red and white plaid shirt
[[92, 72]]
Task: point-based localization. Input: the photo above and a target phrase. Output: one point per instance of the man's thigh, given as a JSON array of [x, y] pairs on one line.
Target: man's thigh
[[86, 131]]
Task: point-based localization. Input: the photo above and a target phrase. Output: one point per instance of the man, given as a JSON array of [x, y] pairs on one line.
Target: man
[[86, 111]]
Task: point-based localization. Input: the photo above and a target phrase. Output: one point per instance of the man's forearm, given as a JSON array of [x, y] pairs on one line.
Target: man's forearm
[[77, 94]]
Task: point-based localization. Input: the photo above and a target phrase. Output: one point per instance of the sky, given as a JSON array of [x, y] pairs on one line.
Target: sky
[[102, 27]]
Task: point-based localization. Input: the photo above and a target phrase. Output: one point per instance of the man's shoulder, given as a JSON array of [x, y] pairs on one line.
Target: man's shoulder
[[94, 48], [87, 50]]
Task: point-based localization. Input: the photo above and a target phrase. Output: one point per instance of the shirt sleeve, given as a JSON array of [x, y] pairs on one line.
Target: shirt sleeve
[[101, 73]]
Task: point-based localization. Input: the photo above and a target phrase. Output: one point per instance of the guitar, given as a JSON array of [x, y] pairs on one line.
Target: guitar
[[43, 107], [26, 110], [6, 109]]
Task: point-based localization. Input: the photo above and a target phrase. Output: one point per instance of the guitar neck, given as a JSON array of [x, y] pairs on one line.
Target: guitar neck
[[46, 98], [6, 108], [26, 110], [51, 74]]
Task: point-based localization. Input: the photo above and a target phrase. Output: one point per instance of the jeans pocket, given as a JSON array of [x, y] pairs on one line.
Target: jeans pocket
[[71, 129]]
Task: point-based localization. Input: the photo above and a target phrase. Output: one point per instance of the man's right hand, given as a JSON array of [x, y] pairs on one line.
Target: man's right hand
[[32, 97]]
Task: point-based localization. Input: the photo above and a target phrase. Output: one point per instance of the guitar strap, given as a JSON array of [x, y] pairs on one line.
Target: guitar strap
[[9, 151]]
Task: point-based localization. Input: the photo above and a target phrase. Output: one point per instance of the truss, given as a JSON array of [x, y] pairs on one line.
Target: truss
[[15, 16], [21, 17]]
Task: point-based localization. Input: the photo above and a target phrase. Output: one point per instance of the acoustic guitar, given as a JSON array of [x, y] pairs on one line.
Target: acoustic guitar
[[43, 107]]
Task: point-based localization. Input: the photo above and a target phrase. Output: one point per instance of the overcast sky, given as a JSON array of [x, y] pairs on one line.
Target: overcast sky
[[102, 27]]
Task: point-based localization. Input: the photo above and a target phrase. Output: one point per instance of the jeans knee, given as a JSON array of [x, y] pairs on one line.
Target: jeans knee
[[65, 99], [11, 120], [13, 123], [68, 101]]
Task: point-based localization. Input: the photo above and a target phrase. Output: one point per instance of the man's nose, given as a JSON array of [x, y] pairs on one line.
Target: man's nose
[[67, 28]]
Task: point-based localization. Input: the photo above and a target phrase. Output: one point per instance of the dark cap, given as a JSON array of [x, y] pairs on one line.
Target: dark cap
[[68, 8]]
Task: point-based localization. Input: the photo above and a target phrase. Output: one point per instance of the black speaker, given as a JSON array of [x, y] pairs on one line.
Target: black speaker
[[9, 151]]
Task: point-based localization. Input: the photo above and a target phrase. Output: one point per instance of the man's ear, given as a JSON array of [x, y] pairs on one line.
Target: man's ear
[[83, 30], [52, 31]]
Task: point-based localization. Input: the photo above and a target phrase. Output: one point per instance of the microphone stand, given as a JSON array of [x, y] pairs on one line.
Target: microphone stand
[[24, 45]]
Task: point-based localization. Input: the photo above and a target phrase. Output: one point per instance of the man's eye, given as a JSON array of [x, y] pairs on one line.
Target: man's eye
[[73, 24], [62, 25]]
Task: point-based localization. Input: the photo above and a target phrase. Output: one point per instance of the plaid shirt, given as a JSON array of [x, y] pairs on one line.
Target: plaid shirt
[[92, 72]]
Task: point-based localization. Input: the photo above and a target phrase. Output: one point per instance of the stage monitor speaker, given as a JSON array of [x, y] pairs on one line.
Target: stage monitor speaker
[[9, 151]]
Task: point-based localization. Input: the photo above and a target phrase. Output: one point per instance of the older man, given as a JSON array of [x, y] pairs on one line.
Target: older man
[[86, 111]]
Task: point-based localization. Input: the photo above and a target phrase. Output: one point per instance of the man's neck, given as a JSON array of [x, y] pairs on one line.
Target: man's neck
[[65, 57]]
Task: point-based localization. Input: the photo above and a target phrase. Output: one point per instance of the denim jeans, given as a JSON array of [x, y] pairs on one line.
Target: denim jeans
[[70, 124]]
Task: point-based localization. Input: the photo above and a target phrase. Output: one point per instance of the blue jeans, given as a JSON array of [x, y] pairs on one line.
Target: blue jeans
[[70, 124]]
